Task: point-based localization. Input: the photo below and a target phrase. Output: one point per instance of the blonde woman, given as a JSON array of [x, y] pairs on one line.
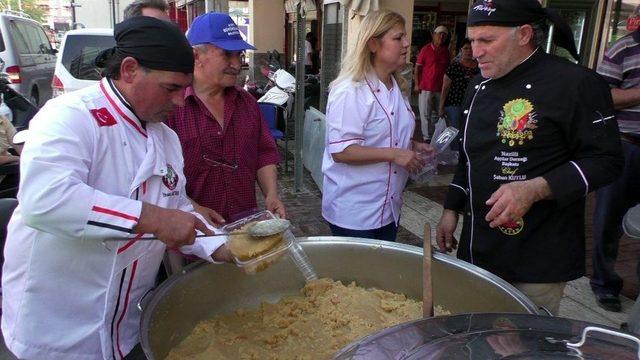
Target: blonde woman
[[368, 148]]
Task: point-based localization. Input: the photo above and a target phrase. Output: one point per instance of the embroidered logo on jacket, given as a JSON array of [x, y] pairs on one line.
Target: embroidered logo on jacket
[[170, 180], [513, 227], [103, 117], [517, 122]]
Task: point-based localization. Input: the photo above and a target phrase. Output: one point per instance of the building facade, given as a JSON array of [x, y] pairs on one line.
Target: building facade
[[271, 24]]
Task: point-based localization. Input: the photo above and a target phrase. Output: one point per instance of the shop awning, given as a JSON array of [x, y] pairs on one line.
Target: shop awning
[[290, 6], [361, 7]]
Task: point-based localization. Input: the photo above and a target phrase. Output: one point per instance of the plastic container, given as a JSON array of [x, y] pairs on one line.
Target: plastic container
[[440, 144], [299, 257], [263, 261]]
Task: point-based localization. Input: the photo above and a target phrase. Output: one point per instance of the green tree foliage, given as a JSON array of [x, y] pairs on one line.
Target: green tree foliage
[[28, 6]]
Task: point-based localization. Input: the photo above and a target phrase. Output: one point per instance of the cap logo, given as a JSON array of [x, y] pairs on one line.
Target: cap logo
[[231, 30], [486, 6]]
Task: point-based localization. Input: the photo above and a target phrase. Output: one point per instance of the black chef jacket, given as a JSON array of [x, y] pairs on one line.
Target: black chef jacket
[[547, 117]]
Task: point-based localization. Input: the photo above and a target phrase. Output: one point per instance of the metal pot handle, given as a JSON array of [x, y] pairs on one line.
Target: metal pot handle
[[142, 303], [604, 331]]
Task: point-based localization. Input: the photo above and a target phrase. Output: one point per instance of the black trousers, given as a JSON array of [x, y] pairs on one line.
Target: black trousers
[[612, 203]]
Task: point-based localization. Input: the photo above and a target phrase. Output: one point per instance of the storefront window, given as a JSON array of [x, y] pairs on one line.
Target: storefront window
[[624, 19], [582, 19]]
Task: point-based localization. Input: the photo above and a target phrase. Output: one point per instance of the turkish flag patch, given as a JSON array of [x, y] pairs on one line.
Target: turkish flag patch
[[103, 117]]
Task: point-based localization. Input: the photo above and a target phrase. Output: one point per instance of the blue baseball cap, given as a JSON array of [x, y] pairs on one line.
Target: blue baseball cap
[[217, 29]]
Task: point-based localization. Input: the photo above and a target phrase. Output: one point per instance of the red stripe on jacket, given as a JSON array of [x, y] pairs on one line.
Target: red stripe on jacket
[[124, 116], [126, 303], [114, 213]]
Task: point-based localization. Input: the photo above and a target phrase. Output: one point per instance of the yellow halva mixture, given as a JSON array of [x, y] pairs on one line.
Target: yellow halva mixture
[[316, 325]]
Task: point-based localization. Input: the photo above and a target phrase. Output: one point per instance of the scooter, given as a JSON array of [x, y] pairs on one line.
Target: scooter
[[14, 106], [19, 110], [280, 96], [268, 69], [284, 86]]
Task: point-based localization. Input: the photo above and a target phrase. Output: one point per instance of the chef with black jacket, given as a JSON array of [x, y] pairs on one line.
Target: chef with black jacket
[[539, 135]]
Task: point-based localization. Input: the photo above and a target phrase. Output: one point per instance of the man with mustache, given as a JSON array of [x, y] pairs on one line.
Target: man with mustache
[[539, 134], [98, 165], [226, 143]]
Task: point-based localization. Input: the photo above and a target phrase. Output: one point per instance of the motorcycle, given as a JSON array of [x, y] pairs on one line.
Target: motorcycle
[[267, 69], [17, 108], [284, 86], [280, 96]]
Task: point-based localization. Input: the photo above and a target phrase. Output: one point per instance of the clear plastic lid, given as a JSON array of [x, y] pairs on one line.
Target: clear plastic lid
[[262, 261]]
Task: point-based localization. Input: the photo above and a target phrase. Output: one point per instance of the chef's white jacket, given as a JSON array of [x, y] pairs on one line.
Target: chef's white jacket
[[364, 197], [85, 170]]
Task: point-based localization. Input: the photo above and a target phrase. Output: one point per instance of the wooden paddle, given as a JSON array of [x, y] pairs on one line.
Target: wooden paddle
[[427, 289]]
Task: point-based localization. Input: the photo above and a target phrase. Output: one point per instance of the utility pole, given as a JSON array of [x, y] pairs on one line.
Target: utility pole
[[73, 14], [113, 14], [298, 164]]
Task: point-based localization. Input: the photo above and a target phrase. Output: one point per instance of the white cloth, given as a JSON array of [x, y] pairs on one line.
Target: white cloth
[[85, 170], [361, 7], [308, 51], [363, 197], [427, 103]]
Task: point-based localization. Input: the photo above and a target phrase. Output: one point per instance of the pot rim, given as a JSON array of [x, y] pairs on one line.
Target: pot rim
[[147, 306]]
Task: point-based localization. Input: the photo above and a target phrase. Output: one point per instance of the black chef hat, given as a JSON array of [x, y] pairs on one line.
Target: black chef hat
[[521, 12], [156, 44]]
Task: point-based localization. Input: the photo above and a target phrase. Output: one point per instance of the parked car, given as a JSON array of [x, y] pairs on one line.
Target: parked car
[[28, 55], [74, 67]]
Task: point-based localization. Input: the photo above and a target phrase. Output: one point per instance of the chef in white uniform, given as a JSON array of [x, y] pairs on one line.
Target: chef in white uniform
[[368, 148], [100, 164]]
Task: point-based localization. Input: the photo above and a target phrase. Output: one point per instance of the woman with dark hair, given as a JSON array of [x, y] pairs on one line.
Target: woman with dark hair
[[456, 80]]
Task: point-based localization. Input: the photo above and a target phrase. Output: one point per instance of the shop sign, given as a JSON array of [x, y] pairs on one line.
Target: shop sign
[[633, 22]]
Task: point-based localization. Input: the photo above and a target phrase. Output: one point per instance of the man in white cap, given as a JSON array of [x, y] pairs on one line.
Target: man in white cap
[[431, 64]]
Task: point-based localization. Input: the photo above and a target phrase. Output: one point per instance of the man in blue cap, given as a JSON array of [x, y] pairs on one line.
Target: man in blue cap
[[226, 143]]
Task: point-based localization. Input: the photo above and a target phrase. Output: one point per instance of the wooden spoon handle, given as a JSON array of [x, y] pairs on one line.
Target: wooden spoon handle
[[427, 289]]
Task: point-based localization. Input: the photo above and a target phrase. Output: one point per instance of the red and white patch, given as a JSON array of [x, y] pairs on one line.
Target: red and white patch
[[171, 179], [103, 117]]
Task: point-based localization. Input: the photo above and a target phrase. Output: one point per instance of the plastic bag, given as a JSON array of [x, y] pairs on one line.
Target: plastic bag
[[440, 142], [441, 124], [445, 154]]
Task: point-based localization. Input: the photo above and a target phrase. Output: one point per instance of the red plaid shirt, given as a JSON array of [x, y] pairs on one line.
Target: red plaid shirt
[[245, 141]]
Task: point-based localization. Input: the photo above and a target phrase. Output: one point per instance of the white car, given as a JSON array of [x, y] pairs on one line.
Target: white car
[[74, 66]]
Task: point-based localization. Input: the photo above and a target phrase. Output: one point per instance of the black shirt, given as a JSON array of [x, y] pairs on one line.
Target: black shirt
[[460, 76], [547, 117]]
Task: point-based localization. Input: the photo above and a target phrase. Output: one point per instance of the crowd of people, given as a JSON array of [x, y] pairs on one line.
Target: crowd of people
[[167, 145]]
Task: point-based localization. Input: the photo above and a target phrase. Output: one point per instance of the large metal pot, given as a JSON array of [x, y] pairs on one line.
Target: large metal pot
[[494, 336], [203, 290]]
